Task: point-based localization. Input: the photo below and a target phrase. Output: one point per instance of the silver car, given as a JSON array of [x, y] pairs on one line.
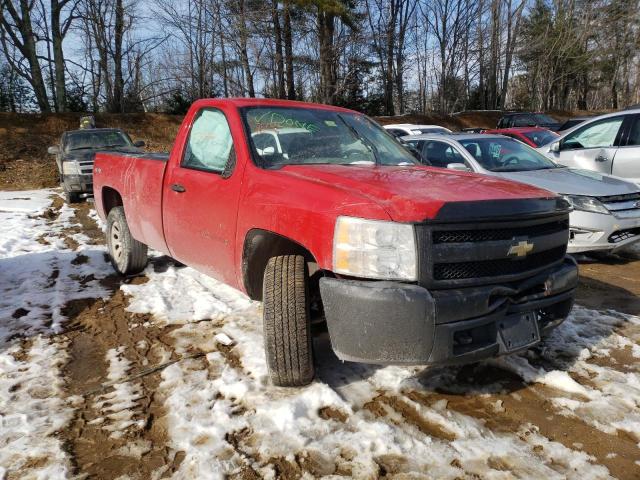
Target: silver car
[[607, 144], [606, 212]]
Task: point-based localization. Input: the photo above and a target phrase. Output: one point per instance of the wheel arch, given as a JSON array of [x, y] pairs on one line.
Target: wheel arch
[[110, 198], [261, 245]]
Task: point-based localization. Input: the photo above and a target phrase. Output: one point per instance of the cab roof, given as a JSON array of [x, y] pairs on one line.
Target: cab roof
[[240, 102]]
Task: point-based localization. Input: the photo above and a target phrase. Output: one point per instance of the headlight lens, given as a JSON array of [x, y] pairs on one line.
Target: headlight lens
[[586, 204], [70, 168], [374, 249]]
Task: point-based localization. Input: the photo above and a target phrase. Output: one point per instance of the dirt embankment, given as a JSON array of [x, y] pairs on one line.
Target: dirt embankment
[[24, 139]]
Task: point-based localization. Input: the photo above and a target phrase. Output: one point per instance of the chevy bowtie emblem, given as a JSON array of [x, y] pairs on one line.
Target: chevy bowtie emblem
[[521, 249]]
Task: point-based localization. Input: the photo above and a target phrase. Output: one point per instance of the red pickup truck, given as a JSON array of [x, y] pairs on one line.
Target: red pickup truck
[[322, 215]]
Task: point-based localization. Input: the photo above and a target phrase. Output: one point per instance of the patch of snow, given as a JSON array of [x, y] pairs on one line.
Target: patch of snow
[[121, 405], [32, 410], [608, 398], [38, 278], [183, 295]]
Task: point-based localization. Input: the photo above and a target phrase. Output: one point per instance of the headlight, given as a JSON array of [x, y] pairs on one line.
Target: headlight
[[70, 168], [586, 204], [374, 249]]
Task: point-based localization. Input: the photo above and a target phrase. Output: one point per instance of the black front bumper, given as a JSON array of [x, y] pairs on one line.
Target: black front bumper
[[397, 323], [78, 183]]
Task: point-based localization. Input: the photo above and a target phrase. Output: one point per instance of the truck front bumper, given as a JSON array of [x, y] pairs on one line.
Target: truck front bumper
[[78, 183], [396, 323]]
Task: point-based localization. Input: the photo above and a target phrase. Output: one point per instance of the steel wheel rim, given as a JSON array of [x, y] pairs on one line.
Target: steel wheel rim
[[117, 252]]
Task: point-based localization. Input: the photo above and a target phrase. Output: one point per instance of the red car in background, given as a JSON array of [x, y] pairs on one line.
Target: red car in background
[[532, 136]]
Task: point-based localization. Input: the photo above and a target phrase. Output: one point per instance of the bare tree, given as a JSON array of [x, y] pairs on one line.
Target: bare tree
[[17, 32]]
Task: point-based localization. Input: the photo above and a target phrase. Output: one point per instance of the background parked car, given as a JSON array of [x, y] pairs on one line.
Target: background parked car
[[532, 136], [607, 144], [76, 151], [401, 129], [572, 122], [606, 212], [528, 119]]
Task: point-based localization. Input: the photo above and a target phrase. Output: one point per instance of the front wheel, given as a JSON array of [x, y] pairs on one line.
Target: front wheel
[[128, 256], [287, 330]]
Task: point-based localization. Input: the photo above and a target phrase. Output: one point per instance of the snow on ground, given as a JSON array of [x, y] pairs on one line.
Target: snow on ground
[[604, 397], [39, 275], [32, 410], [225, 416], [222, 412], [120, 405]]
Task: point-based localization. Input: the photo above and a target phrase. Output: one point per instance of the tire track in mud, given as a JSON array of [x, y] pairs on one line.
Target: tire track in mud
[[111, 436], [99, 447]]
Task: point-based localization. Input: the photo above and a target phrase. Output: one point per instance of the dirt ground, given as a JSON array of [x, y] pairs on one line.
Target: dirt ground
[[96, 326]]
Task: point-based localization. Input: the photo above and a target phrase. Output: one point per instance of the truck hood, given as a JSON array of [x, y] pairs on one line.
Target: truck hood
[[572, 181], [414, 193]]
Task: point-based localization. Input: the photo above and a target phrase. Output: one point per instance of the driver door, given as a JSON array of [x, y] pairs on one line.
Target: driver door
[[200, 198], [592, 147]]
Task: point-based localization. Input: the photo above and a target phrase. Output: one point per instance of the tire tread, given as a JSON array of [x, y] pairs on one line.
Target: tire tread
[[287, 330]]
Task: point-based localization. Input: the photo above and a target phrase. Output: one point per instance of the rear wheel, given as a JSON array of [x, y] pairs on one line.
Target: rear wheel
[[128, 256], [287, 331]]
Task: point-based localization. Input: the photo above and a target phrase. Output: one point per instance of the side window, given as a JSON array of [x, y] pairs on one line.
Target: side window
[[396, 133], [634, 133], [441, 154], [599, 134], [210, 143]]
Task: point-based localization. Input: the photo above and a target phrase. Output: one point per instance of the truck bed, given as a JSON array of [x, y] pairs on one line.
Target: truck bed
[[139, 180]]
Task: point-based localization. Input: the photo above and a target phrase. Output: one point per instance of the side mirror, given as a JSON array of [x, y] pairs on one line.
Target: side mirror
[[139, 144], [460, 167], [55, 150], [555, 147]]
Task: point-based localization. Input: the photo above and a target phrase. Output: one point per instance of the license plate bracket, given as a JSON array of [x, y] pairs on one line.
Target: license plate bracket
[[519, 330]]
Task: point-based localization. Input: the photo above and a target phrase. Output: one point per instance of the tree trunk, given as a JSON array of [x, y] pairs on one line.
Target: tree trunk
[[58, 56], [278, 47], [326, 28], [244, 52], [117, 105], [288, 51]]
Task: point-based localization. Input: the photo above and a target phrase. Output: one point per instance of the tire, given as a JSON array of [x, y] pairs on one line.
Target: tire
[[72, 197], [287, 329], [128, 256]]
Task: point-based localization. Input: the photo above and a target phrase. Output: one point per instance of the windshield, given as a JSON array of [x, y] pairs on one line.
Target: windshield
[[303, 136], [541, 137], [506, 155], [91, 140]]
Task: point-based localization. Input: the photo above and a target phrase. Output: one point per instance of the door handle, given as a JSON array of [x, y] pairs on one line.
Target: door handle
[[176, 187], [601, 158]]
